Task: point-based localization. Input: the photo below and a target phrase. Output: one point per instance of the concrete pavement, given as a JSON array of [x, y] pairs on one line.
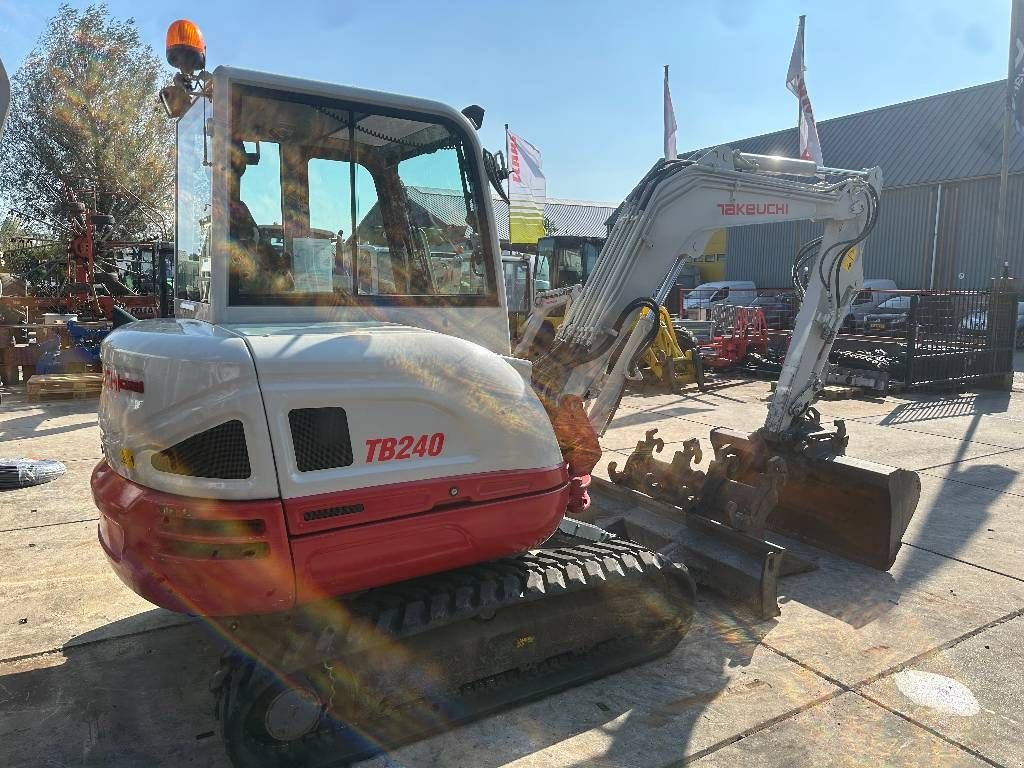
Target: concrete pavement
[[919, 666]]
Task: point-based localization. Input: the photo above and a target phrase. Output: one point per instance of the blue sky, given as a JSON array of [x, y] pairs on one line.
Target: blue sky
[[582, 80]]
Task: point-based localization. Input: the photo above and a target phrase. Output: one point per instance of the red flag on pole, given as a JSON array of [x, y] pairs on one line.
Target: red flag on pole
[[670, 123], [810, 147]]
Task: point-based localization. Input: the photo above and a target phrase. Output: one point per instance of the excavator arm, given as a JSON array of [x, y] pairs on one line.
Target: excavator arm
[[666, 220], [791, 475]]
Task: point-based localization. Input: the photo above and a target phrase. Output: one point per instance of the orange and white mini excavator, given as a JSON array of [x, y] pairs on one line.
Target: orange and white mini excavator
[[331, 455]]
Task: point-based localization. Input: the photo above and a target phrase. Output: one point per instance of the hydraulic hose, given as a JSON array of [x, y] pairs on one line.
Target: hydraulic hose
[[652, 334], [802, 256], [551, 369], [845, 245]]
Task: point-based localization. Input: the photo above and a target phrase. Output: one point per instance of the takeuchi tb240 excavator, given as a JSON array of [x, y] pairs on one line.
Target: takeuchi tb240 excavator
[[331, 455]]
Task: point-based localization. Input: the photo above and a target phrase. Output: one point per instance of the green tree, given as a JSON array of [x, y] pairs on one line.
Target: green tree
[[84, 113], [28, 260], [12, 232]]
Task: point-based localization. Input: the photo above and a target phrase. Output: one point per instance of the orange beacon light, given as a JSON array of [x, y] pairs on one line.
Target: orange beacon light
[[186, 49]]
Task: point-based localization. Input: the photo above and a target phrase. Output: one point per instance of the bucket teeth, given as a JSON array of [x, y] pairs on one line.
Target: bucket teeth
[[676, 482], [728, 492]]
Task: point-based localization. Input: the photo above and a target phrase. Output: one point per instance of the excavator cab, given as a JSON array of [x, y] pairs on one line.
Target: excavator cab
[[561, 261], [299, 206], [566, 260]]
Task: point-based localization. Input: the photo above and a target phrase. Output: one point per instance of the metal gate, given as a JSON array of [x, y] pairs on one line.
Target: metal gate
[[960, 337]]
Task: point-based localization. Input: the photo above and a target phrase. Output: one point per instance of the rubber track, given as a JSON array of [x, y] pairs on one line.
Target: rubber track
[[423, 604], [566, 564]]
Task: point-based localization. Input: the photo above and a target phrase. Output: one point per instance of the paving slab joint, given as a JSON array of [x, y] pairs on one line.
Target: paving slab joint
[[964, 562], [938, 734]]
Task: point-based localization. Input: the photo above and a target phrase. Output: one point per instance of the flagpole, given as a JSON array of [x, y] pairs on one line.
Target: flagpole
[[799, 103], [508, 190], [664, 140], [1001, 247]]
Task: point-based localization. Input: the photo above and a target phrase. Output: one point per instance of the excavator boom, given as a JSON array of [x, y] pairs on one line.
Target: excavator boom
[[791, 476]]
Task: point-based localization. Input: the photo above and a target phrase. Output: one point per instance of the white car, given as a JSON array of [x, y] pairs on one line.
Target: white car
[[740, 292]]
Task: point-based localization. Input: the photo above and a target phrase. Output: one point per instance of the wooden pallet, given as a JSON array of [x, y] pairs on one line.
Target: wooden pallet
[[840, 392], [63, 386], [835, 392]]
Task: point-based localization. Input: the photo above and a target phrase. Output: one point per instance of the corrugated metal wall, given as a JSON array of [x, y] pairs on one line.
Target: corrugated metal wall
[[901, 247], [765, 253], [966, 256]]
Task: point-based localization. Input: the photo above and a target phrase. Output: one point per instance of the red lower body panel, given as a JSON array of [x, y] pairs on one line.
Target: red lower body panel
[[191, 555], [351, 559], [236, 557]]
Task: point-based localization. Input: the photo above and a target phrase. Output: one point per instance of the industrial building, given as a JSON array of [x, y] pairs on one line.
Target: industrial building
[[444, 208], [940, 160]]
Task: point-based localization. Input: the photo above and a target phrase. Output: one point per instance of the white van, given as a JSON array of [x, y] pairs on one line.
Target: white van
[[873, 293], [740, 292]]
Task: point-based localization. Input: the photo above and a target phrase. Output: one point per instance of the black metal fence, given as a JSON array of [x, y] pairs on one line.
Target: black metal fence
[[922, 337], [960, 337]]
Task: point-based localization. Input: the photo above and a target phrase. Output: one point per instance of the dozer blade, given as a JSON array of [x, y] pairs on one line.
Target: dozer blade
[[743, 568], [854, 508]]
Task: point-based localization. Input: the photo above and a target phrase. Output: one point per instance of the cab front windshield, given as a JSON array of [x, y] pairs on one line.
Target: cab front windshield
[[561, 264], [340, 204]]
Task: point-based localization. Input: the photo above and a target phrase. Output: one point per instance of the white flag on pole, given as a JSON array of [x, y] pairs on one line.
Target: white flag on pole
[[527, 191], [670, 122], [810, 147]]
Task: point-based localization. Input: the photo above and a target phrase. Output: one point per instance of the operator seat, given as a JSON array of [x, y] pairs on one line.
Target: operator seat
[[246, 263]]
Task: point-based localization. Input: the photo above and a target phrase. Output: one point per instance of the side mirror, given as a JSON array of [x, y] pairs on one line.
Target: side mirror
[[497, 171], [475, 114]]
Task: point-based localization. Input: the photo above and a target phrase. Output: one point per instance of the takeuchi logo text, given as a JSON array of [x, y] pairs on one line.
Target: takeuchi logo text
[[753, 209]]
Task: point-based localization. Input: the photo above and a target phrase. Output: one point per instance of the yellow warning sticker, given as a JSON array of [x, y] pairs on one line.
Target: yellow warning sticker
[[850, 258], [127, 459]]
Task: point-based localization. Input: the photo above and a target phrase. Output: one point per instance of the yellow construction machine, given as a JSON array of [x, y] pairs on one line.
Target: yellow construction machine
[[544, 286]]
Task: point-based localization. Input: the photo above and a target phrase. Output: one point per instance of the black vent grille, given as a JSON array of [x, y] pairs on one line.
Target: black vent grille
[[320, 438], [219, 452], [323, 514]]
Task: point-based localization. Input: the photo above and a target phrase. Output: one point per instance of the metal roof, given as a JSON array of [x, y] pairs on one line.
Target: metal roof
[[955, 135], [578, 218], [567, 217]]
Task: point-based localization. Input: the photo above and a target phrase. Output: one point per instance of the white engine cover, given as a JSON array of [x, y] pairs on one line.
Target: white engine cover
[[397, 384]]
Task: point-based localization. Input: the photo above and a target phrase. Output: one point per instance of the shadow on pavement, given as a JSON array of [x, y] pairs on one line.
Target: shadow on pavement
[[945, 407], [117, 696], [29, 425], [129, 700]]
